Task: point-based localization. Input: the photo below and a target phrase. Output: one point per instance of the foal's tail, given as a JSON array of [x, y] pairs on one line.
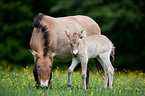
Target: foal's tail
[[99, 68], [112, 55]]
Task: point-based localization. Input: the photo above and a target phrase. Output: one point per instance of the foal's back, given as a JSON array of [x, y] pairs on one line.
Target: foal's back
[[93, 45]]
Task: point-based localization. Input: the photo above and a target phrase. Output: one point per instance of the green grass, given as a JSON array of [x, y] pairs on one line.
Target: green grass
[[21, 84]]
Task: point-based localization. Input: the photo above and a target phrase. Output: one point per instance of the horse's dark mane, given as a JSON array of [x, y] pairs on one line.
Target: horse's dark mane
[[45, 32], [36, 23], [37, 19], [46, 40]]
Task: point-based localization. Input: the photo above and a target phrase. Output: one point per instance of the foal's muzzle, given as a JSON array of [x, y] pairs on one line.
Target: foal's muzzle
[[75, 55]]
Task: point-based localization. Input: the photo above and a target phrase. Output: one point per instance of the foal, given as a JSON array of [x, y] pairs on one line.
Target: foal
[[97, 46]]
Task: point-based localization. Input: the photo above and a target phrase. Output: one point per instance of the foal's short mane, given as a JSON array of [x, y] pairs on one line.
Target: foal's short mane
[[45, 33]]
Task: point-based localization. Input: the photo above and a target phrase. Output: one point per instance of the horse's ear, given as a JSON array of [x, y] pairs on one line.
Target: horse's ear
[[67, 34], [51, 55], [80, 34], [34, 53]]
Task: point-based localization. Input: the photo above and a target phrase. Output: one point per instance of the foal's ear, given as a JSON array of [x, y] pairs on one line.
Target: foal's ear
[[67, 34], [34, 53], [80, 34]]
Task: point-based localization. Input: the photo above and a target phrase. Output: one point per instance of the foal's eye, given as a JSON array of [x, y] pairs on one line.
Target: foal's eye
[[81, 37], [38, 67]]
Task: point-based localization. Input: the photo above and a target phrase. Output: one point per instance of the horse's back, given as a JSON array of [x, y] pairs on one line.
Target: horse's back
[[78, 21], [91, 27]]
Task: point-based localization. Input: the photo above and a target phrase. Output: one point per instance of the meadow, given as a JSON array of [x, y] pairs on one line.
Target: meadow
[[20, 83]]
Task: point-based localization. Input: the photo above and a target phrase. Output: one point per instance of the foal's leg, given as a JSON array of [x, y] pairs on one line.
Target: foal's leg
[[110, 73], [70, 70], [84, 70], [101, 59], [105, 72], [109, 70]]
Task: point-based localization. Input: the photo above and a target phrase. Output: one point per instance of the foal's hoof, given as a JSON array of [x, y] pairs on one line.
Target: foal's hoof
[[110, 87], [84, 89], [104, 87], [68, 88]]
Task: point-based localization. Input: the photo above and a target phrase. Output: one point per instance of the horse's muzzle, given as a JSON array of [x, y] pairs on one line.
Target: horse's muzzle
[[44, 84]]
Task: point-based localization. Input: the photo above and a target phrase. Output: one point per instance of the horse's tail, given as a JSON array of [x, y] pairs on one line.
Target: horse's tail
[[112, 55], [99, 68]]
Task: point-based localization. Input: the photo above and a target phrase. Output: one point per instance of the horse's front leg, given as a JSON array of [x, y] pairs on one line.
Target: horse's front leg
[[50, 83], [70, 70], [88, 72], [35, 73], [84, 70]]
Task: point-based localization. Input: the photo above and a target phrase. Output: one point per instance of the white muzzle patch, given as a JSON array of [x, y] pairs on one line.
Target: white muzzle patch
[[75, 52], [44, 84]]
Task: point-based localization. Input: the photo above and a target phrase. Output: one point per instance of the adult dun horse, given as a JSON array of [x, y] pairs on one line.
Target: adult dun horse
[[48, 39]]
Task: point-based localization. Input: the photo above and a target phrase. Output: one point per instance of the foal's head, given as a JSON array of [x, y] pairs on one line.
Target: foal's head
[[74, 42], [43, 67]]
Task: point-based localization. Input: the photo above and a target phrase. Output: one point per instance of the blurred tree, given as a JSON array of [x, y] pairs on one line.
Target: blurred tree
[[121, 21], [16, 25]]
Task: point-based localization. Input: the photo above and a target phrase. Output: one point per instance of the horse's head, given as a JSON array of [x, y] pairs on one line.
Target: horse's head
[[74, 42], [43, 67]]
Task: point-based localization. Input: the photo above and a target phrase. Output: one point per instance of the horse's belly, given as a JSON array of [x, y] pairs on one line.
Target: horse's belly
[[63, 57]]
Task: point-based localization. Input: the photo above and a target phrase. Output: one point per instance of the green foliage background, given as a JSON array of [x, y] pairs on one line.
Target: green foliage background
[[122, 21]]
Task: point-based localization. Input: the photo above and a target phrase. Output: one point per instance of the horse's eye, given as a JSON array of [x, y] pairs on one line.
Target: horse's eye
[[38, 67]]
